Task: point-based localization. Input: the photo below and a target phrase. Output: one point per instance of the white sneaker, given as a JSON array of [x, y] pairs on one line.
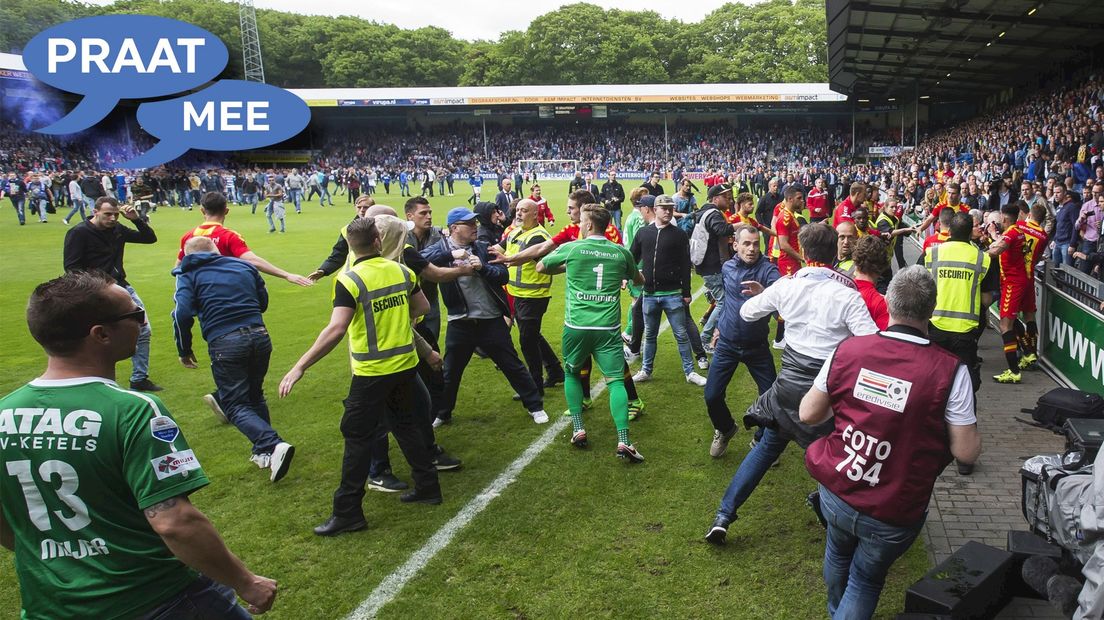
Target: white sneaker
[[280, 460], [779, 344], [696, 379], [703, 362], [630, 357], [262, 461], [220, 415], [540, 417], [641, 376], [439, 422]]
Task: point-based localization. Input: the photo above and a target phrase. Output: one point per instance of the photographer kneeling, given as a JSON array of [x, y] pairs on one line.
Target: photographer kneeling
[[895, 430]]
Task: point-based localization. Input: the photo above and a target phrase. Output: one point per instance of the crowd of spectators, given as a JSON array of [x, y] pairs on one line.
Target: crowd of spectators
[[618, 146], [1050, 143]]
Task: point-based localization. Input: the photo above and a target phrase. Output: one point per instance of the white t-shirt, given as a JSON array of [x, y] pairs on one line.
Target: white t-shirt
[[819, 311]]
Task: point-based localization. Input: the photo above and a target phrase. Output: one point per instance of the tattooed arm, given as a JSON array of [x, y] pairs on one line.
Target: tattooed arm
[[193, 540]]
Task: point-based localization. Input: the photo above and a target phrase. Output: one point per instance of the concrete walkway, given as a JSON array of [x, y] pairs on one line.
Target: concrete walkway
[[986, 505]]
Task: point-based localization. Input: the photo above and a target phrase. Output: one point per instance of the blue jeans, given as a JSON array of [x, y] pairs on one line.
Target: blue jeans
[[1060, 255], [41, 202], [751, 471], [140, 360], [203, 600], [250, 199], [654, 308], [296, 196], [616, 215], [715, 284], [275, 209], [857, 556], [239, 363], [78, 205], [423, 419], [760, 364], [17, 203]]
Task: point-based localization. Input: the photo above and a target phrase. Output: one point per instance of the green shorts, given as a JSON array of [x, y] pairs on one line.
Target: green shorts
[[605, 345]]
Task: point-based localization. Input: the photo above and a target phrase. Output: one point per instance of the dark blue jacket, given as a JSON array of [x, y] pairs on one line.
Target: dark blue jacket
[[494, 276], [735, 331], [226, 294], [1065, 233]]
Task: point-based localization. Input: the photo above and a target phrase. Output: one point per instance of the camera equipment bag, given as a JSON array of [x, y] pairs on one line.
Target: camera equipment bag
[[1061, 404]]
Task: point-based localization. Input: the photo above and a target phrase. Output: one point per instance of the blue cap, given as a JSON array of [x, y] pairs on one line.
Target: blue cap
[[647, 200], [459, 214]]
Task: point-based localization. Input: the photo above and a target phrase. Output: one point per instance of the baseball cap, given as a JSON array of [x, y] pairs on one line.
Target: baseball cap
[[718, 189], [459, 214], [646, 200], [663, 200]]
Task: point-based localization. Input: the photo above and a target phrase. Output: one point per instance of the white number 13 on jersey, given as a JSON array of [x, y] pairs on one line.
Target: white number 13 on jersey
[[66, 492]]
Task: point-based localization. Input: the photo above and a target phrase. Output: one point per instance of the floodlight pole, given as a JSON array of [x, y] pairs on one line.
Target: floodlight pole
[[852, 128], [666, 144], [916, 117], [902, 124], [251, 42]]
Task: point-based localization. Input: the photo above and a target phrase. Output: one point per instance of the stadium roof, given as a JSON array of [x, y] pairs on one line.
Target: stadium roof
[[882, 48], [11, 65], [583, 94]]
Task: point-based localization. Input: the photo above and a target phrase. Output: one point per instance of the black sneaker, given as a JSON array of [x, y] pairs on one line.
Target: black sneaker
[[387, 483], [554, 380], [145, 385], [443, 461], [965, 469], [337, 525], [421, 496], [717, 532]]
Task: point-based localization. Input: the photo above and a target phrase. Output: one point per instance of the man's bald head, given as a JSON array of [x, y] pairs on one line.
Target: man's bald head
[[846, 235], [526, 211], [375, 210], [199, 244]]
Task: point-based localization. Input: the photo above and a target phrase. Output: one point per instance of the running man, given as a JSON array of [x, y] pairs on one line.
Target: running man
[[595, 268]]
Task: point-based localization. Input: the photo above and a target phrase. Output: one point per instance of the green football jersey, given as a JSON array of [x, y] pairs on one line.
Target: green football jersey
[[595, 269], [81, 459]]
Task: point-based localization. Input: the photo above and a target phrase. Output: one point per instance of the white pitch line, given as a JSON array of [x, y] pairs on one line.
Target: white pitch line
[[390, 587]]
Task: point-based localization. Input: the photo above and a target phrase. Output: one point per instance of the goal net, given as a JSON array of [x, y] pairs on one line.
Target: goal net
[[548, 169]]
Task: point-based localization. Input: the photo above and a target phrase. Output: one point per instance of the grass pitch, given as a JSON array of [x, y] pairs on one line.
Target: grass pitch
[[577, 534]]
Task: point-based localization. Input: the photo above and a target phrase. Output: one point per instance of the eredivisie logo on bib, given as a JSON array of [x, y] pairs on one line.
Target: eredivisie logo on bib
[[882, 390]]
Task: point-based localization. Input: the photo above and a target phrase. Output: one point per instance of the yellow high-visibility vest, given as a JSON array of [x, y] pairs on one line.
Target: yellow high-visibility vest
[[525, 281], [958, 268], [882, 217], [380, 339]]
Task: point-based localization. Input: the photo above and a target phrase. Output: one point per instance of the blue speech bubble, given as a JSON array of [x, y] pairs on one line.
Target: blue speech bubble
[[230, 115], [113, 57]]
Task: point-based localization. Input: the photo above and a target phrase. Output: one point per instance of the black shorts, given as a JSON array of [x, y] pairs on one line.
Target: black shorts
[[530, 308]]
